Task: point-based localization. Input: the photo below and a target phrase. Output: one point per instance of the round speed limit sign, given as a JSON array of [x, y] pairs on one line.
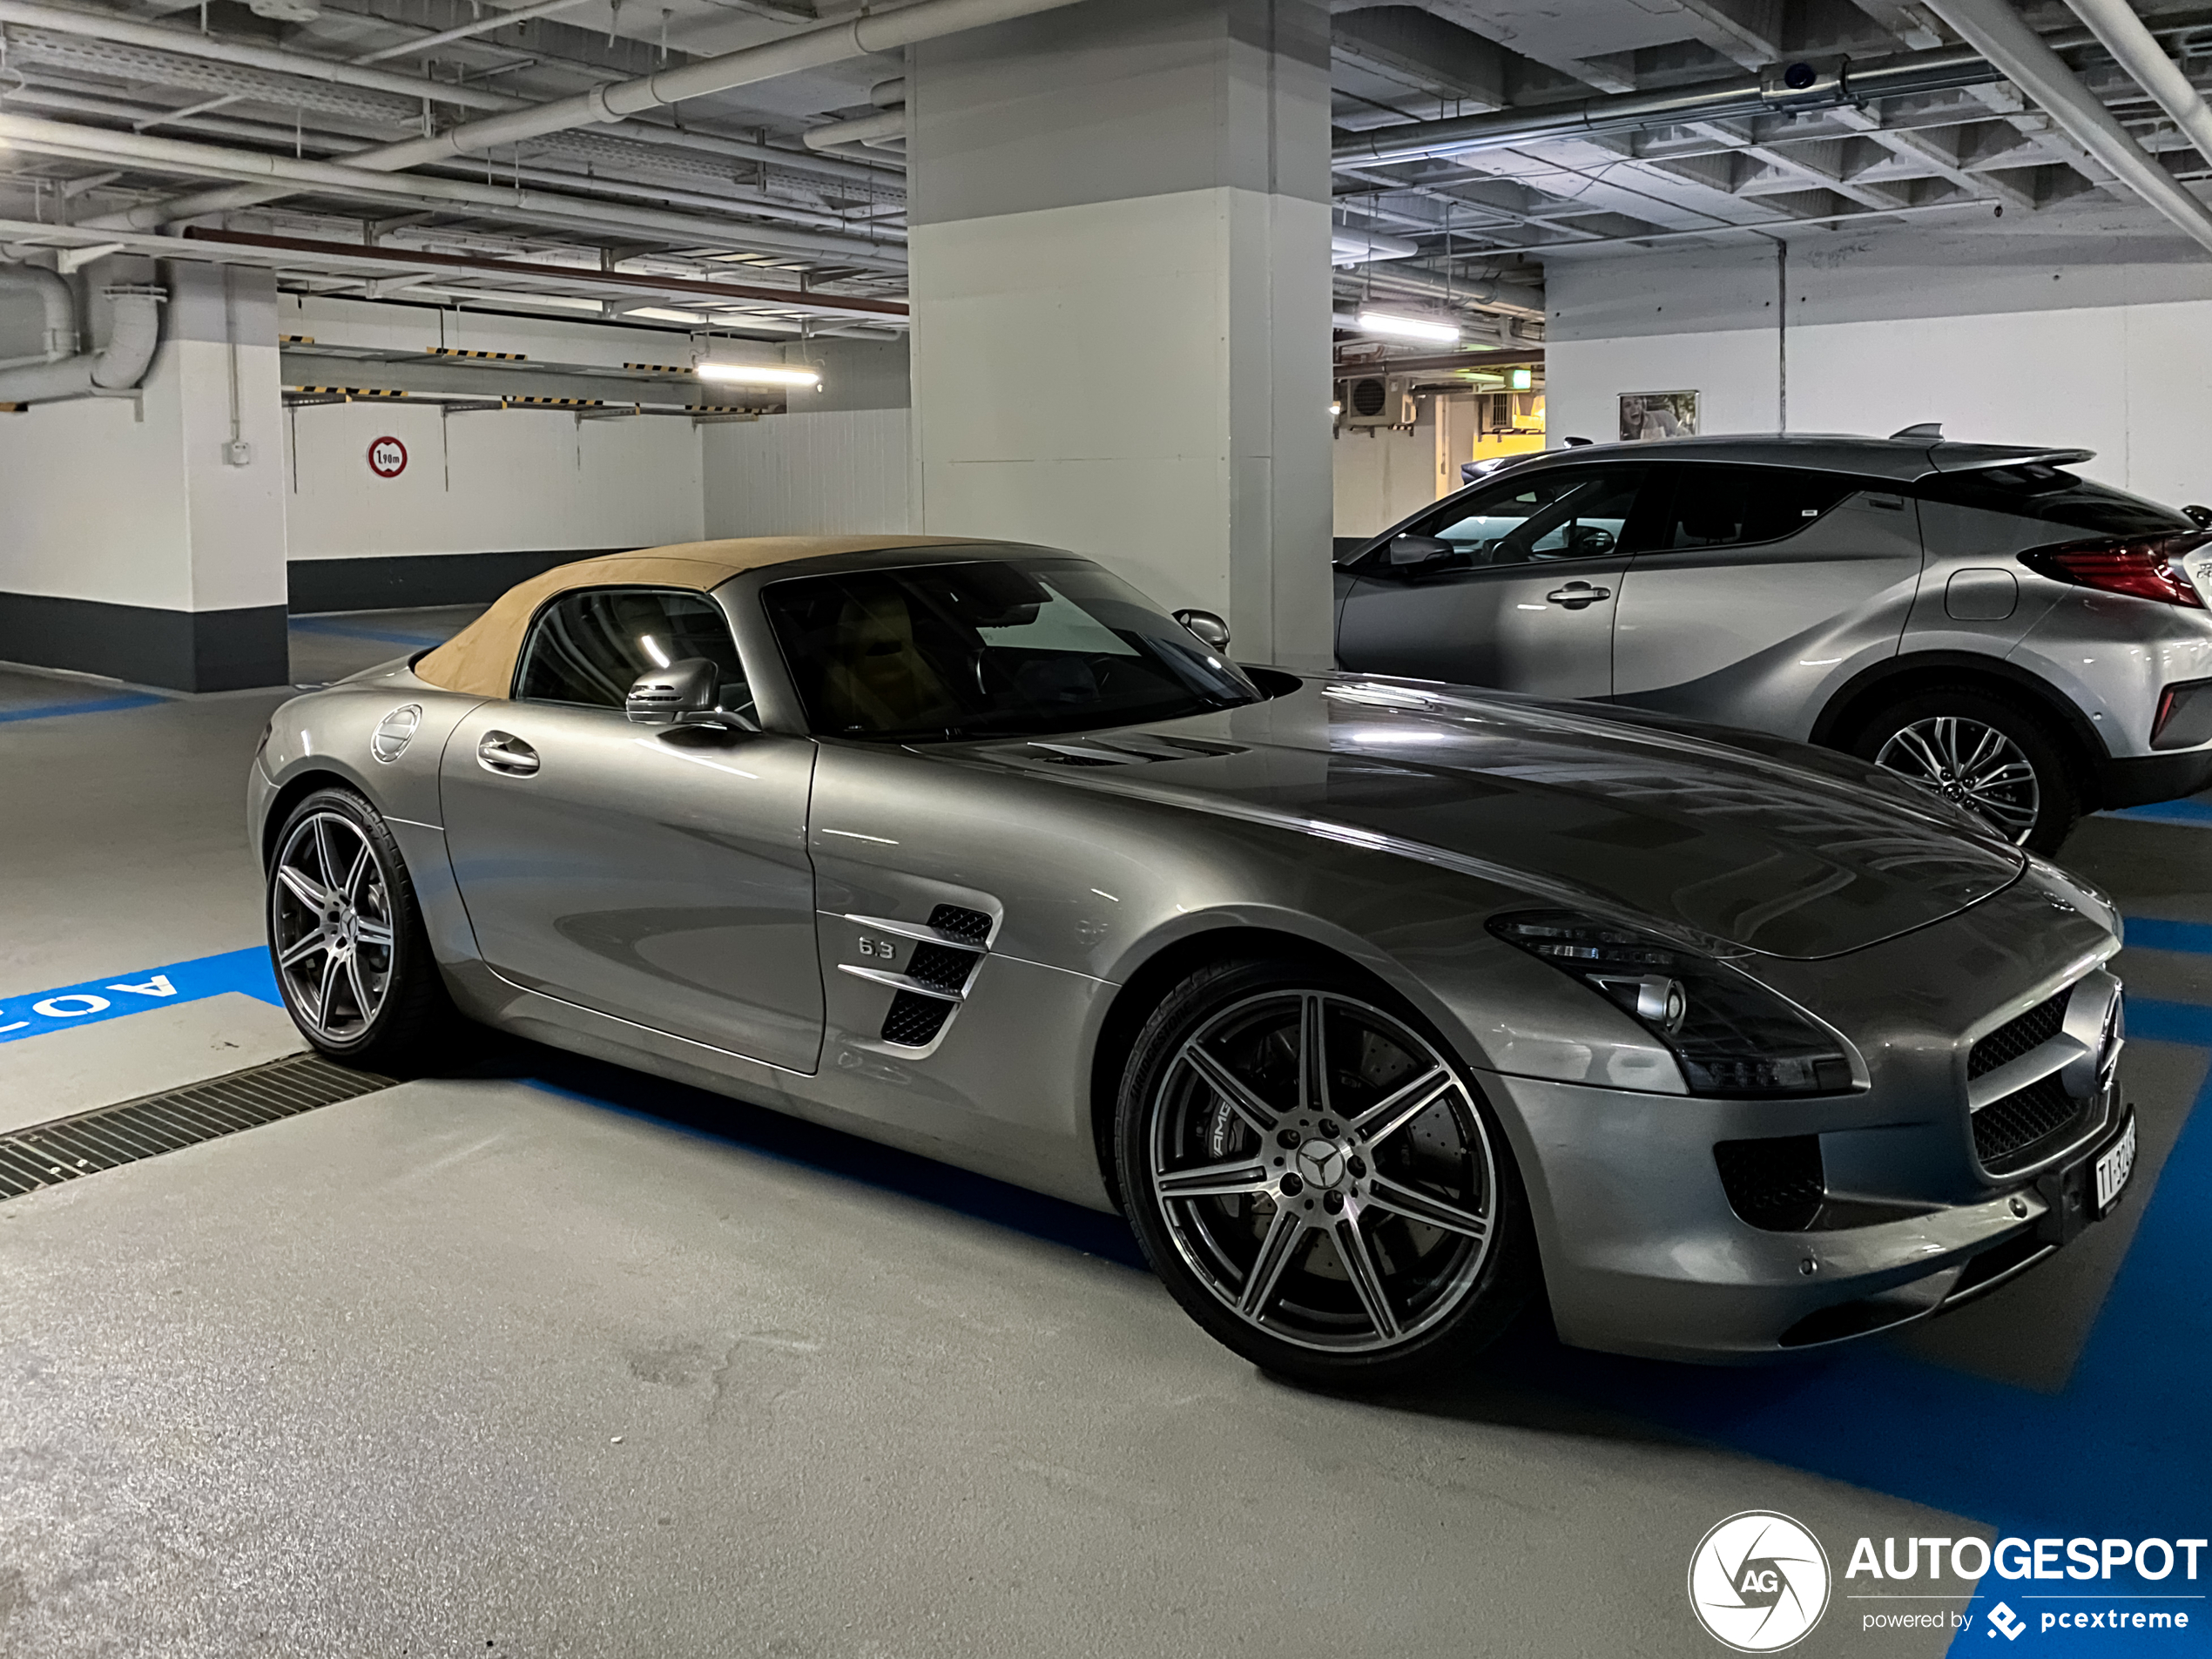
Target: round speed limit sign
[[388, 457]]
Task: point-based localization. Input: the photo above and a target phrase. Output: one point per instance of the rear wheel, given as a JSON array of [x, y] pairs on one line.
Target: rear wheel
[[2007, 766], [347, 939], [1315, 1180]]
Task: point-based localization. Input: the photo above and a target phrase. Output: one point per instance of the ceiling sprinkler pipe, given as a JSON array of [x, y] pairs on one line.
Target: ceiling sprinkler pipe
[[2123, 34]]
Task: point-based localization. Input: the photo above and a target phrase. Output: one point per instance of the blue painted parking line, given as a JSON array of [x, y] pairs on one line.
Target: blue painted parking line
[[354, 630], [96, 1000], [92, 705], [2155, 933], [2190, 811]]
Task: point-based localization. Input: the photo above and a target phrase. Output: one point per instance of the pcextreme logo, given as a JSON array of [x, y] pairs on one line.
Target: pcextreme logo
[[1758, 1582]]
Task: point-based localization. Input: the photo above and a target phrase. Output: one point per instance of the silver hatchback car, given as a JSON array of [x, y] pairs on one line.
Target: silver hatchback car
[[1975, 616]]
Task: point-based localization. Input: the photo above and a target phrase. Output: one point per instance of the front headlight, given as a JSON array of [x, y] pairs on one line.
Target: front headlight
[[1734, 1038]]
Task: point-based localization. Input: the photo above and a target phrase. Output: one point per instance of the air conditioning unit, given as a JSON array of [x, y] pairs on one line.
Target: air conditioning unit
[[1377, 399]]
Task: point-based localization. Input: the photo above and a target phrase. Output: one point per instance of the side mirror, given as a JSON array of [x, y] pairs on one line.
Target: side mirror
[[665, 695], [2200, 516], [1212, 631], [1409, 550]]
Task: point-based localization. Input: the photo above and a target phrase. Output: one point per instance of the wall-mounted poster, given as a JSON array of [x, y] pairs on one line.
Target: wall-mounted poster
[[1658, 414]]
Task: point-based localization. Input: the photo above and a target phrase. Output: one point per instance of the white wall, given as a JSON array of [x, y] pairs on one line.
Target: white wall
[[514, 480], [836, 472], [1381, 474], [2086, 333]]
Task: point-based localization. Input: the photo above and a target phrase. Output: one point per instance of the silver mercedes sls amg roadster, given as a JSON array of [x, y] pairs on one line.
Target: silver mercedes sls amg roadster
[[1377, 1007]]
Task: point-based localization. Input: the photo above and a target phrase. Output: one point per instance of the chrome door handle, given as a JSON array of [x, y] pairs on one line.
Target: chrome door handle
[[503, 752], [1578, 596]]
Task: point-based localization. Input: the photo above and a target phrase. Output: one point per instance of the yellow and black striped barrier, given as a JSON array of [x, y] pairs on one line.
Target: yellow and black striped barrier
[[343, 391], [484, 356]]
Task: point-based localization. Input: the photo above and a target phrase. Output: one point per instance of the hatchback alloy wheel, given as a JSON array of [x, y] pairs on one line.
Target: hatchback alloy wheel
[[1971, 765]]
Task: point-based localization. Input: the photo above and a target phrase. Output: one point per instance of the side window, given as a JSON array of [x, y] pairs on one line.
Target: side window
[[587, 647], [1562, 513], [1728, 506]]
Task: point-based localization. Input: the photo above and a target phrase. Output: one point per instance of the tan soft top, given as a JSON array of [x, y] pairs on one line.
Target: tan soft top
[[480, 659]]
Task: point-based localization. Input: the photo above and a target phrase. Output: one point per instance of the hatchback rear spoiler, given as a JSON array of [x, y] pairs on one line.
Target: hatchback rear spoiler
[[1981, 457]]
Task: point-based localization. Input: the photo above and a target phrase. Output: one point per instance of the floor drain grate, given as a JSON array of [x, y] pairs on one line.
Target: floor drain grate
[[45, 1154]]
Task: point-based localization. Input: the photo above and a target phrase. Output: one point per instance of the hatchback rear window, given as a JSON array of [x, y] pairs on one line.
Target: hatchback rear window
[[2056, 497]]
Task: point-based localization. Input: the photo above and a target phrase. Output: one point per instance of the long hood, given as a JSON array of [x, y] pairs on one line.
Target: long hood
[[1745, 841]]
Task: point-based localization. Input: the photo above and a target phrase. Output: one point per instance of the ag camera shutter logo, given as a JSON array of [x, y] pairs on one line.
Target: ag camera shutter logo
[[1758, 1582]]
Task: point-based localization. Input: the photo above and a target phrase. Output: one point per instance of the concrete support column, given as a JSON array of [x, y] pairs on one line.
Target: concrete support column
[[1120, 250], [135, 543]]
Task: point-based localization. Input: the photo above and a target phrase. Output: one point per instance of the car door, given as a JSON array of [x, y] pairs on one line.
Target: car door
[[1510, 586], [1761, 589], [656, 874]]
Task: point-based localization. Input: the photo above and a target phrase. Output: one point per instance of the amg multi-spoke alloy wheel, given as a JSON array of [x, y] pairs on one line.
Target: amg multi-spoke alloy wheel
[[1984, 756], [350, 954], [1315, 1180]]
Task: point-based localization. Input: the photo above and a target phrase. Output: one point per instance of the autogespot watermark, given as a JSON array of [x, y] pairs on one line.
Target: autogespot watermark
[[1759, 1582]]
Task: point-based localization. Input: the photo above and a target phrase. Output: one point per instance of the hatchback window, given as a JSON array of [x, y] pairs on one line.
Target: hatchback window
[[1561, 513], [589, 646], [2056, 497], [1729, 506]]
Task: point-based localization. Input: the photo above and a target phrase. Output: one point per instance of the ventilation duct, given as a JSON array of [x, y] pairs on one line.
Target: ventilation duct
[[134, 330]]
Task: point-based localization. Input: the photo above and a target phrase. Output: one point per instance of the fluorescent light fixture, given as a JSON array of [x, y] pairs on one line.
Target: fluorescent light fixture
[[758, 375], [1522, 380], [1336, 410], [1382, 322]]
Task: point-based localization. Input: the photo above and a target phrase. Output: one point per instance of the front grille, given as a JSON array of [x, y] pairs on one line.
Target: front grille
[[942, 965], [2028, 1125], [1777, 1184], [69, 1149], [2016, 1037], [914, 1020], [960, 923]]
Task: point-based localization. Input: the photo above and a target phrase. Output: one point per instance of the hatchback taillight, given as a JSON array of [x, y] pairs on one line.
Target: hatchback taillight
[[2148, 568]]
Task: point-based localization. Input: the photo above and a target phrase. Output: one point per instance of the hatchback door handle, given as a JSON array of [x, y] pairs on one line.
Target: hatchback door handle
[[1578, 596], [503, 752]]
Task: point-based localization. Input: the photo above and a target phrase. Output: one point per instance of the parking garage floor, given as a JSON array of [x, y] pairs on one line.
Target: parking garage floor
[[550, 1359]]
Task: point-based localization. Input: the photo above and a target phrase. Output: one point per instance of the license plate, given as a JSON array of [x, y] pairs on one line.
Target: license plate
[[2114, 1167]]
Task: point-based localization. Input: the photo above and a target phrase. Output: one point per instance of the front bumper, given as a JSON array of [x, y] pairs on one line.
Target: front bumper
[[1644, 1255]]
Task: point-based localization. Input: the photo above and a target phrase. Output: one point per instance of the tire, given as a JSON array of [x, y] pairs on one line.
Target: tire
[[347, 940], [1292, 1208], [1984, 753]]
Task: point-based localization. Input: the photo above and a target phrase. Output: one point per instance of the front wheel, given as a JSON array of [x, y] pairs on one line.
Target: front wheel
[[1982, 754], [1315, 1180], [346, 936]]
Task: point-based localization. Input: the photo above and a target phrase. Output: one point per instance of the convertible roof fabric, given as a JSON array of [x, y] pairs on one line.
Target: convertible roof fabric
[[480, 659]]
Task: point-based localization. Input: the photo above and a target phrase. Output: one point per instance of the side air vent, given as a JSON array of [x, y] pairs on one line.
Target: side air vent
[[914, 1020], [942, 967], [960, 923], [1775, 1184]]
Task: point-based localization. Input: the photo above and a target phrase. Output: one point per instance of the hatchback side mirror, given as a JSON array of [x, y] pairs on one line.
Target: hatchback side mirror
[[1213, 633], [1409, 551], [665, 695]]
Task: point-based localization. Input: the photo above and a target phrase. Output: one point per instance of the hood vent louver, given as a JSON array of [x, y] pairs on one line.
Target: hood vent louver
[[1135, 749]]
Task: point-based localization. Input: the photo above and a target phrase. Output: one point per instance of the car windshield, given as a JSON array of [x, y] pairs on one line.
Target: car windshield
[[996, 648], [2056, 497]]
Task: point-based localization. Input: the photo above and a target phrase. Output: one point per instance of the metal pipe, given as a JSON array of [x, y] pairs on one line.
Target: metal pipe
[[1517, 297], [2136, 50], [862, 129], [1993, 28], [482, 25], [859, 37], [60, 304], [1739, 97], [181, 156], [134, 330], [105, 25]]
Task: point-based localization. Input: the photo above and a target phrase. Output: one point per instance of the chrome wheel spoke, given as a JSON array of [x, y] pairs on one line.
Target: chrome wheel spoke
[[324, 857], [1224, 1082], [362, 865], [378, 934], [1383, 1193], [327, 991], [1402, 1107], [359, 987], [1312, 1054], [1275, 1253], [1909, 751], [303, 886], [300, 949], [1359, 1266], [1237, 1178]]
